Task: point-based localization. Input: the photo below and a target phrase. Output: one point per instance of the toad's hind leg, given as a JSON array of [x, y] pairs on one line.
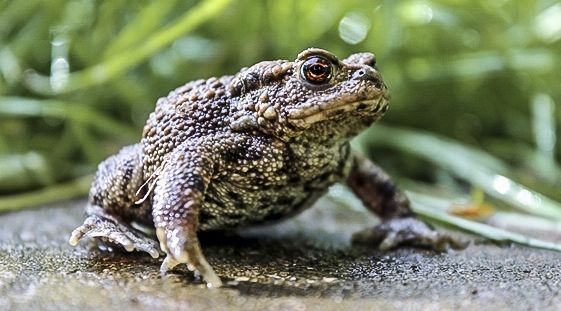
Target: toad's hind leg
[[399, 224], [111, 204]]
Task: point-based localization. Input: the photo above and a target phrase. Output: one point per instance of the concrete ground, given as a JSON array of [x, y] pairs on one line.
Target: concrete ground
[[303, 264]]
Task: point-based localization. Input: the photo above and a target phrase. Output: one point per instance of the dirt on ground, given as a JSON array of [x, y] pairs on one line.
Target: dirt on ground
[[306, 263]]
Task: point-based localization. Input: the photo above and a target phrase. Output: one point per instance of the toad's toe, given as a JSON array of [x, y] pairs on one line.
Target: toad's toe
[[181, 247], [108, 231], [409, 231]]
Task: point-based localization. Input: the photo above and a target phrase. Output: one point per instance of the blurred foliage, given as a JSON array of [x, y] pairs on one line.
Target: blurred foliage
[[474, 83]]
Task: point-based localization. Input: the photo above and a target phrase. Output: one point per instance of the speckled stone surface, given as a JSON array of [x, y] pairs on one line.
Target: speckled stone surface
[[304, 264]]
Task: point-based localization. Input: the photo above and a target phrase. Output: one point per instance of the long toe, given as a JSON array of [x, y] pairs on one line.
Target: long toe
[[198, 261], [182, 247], [77, 235]]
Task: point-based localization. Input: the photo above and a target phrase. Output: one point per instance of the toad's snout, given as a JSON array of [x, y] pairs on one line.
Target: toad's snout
[[369, 75], [366, 73]]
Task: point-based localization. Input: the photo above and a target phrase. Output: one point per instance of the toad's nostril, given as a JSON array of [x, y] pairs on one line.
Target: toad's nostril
[[364, 74]]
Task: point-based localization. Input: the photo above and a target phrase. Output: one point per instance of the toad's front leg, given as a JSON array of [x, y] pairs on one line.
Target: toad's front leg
[[178, 198], [399, 224]]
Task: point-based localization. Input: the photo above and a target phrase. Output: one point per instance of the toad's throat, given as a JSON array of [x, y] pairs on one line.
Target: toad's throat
[[316, 113]]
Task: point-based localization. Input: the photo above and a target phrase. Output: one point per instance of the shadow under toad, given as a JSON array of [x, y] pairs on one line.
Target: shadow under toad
[[254, 266]]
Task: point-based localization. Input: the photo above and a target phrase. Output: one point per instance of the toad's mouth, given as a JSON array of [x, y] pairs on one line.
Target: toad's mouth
[[304, 117]]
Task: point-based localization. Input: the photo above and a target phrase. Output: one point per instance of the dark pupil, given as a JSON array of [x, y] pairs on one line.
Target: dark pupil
[[317, 70]]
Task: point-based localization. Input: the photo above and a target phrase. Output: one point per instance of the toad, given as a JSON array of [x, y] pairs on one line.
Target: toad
[[251, 148]]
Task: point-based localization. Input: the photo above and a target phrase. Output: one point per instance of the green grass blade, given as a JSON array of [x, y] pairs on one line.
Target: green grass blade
[[56, 193], [489, 232], [123, 62], [27, 107], [477, 167], [145, 22], [433, 209], [20, 171]]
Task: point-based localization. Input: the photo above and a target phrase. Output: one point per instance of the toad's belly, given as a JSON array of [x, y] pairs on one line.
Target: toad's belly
[[227, 206]]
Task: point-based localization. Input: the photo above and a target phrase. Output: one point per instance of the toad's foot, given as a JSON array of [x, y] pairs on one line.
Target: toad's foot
[[108, 229], [180, 248], [408, 230]]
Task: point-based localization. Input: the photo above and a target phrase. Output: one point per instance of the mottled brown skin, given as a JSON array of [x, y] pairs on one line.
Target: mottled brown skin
[[248, 149]]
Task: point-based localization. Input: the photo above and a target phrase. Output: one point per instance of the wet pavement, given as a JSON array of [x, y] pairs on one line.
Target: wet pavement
[[303, 264]]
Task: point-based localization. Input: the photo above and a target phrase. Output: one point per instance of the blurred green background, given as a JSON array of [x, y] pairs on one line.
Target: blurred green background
[[475, 85]]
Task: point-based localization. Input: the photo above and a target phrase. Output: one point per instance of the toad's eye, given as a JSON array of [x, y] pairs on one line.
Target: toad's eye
[[316, 70]]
